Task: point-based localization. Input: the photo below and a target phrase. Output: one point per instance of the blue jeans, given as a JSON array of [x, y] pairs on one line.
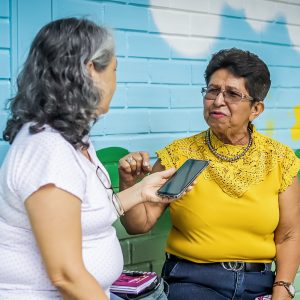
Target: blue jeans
[[192, 281], [114, 297]]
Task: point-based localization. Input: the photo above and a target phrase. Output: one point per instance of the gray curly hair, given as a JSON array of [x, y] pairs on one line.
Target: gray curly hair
[[54, 86]]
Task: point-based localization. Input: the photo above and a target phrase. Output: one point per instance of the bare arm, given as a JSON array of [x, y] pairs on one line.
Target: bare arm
[[142, 217], [55, 219], [287, 239]]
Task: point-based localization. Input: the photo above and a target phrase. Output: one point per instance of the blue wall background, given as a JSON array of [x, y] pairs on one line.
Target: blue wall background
[[163, 47]]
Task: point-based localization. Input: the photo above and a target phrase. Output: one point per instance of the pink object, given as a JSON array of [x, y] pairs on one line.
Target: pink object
[[133, 284], [266, 297]]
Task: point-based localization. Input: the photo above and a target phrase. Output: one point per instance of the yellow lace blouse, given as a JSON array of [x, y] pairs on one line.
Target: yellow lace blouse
[[232, 212]]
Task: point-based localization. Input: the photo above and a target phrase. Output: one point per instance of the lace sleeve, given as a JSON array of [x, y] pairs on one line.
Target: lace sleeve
[[165, 156], [290, 168]]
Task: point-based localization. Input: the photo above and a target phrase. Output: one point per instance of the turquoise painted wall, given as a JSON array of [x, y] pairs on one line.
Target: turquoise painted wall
[[5, 66], [162, 48]]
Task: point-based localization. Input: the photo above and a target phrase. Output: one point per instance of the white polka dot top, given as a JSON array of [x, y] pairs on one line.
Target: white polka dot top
[[34, 160]]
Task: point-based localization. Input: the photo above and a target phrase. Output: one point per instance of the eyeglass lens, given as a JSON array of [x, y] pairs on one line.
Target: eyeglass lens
[[103, 178], [229, 96]]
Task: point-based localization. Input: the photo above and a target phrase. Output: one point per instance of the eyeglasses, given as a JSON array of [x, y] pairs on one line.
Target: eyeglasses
[[229, 96], [104, 179]]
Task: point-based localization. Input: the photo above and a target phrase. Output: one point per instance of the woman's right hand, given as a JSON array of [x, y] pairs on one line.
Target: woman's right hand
[[142, 205], [150, 184], [133, 167]]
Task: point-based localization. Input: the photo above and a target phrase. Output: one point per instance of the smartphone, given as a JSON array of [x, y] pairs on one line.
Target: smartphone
[[176, 185]]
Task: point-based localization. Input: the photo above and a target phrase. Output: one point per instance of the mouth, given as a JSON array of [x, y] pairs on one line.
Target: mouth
[[217, 114]]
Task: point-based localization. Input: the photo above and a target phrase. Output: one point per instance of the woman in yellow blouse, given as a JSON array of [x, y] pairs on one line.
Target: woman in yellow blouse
[[244, 211]]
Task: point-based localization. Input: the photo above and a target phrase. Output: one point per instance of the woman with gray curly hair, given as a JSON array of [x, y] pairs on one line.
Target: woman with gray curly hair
[[57, 206]]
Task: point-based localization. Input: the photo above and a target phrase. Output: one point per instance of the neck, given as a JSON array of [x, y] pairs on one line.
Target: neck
[[233, 138], [86, 154], [223, 157]]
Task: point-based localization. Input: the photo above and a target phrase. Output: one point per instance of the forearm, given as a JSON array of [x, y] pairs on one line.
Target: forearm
[[135, 220], [124, 186], [131, 196], [287, 263], [287, 239], [142, 218], [80, 286], [141, 204], [139, 216], [287, 258]]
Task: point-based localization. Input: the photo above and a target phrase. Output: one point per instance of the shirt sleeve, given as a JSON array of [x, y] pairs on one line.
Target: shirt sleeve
[[166, 155], [47, 158], [290, 169]]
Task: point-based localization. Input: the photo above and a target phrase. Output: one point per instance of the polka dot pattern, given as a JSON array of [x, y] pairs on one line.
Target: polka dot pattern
[[33, 161]]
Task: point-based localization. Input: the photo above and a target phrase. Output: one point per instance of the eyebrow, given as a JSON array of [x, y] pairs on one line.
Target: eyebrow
[[227, 87], [213, 85]]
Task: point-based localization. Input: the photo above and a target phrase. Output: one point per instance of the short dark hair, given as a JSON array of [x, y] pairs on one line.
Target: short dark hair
[[54, 86], [242, 64]]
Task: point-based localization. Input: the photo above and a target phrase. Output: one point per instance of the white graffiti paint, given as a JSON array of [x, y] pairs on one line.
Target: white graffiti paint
[[190, 26]]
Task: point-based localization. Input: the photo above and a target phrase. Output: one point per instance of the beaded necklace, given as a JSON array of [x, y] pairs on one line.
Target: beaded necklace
[[223, 157]]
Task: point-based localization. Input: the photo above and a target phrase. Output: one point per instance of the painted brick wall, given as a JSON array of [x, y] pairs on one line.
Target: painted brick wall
[[163, 47], [5, 67]]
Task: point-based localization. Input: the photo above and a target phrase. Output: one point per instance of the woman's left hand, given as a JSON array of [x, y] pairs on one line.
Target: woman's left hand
[[133, 167]]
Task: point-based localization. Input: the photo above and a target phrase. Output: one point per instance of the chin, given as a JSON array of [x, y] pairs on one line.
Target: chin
[[102, 110], [217, 127], [105, 111], [217, 123]]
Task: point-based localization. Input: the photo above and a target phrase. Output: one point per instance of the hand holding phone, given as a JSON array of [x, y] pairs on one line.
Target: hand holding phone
[[177, 184]]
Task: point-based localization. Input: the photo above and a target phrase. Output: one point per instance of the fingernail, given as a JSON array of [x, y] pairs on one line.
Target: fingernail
[[146, 163], [138, 173]]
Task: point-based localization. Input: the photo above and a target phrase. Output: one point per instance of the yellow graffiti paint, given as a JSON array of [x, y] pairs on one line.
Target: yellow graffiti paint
[[295, 130], [270, 126]]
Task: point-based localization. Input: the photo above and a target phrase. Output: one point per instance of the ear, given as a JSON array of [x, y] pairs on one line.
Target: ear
[[90, 68], [256, 109]]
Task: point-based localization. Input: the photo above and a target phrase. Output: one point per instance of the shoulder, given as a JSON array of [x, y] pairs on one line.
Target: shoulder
[[42, 158], [179, 150], [187, 142], [46, 143], [46, 151], [274, 147], [278, 155]]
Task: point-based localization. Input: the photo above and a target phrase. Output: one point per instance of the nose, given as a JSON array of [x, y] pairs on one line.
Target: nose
[[220, 100]]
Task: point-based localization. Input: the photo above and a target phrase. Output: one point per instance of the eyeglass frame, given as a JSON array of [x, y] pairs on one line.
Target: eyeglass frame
[[98, 171], [114, 197], [242, 95]]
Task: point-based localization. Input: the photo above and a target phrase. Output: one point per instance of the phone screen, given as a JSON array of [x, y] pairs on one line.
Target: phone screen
[[182, 178]]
